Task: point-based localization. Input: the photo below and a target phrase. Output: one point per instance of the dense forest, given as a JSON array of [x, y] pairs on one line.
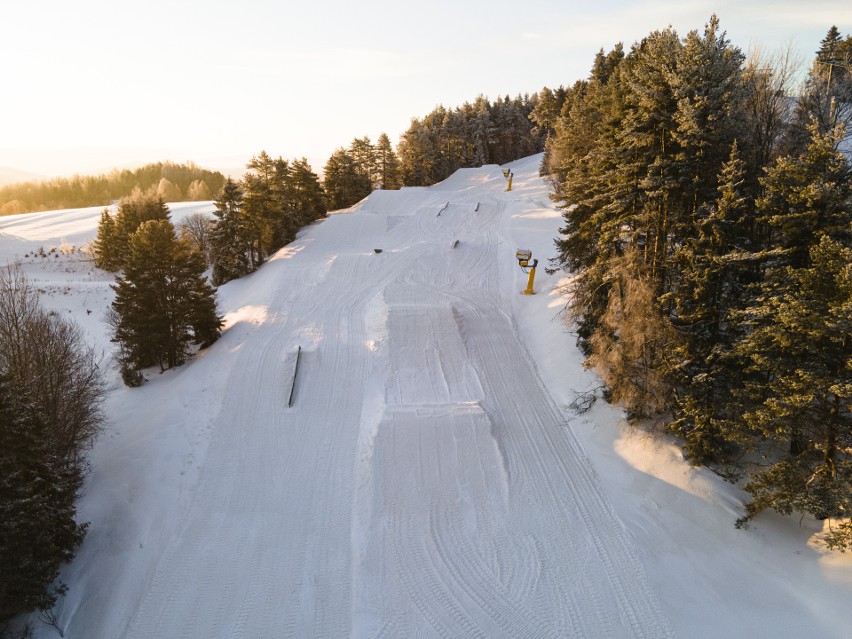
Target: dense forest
[[172, 182], [708, 220]]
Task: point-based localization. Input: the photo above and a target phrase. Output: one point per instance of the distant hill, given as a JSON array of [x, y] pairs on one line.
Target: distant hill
[[10, 176], [173, 182]]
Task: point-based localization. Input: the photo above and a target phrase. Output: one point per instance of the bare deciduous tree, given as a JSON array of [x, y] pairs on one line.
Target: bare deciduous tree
[[46, 356], [633, 341], [770, 79], [197, 228]]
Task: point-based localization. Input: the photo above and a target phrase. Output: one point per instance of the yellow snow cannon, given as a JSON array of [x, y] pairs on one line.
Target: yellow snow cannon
[[524, 256]]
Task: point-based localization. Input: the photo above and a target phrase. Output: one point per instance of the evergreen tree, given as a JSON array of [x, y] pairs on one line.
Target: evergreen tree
[[699, 289], [590, 183], [163, 303], [112, 242], [717, 267], [802, 342], [262, 206], [808, 196], [651, 199], [387, 163], [285, 211], [343, 183], [548, 107], [106, 245], [471, 135], [306, 193], [38, 490], [481, 131], [362, 153], [231, 239], [708, 87], [417, 156]]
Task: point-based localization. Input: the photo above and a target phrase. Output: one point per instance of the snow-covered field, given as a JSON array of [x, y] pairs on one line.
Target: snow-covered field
[[430, 478]]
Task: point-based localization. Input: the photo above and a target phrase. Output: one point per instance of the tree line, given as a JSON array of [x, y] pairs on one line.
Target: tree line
[[445, 140], [164, 306], [430, 150], [434, 147], [708, 219], [172, 182], [259, 214]]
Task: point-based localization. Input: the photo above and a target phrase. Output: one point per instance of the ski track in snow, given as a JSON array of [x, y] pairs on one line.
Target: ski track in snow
[[423, 482]]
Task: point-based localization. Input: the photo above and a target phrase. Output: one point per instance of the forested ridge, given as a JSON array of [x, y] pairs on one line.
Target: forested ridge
[[172, 182], [708, 220]]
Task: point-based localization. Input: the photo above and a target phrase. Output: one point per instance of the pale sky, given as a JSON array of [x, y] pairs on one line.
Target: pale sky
[[92, 84]]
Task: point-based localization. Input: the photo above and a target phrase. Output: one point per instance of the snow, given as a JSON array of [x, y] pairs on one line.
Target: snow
[[430, 478]]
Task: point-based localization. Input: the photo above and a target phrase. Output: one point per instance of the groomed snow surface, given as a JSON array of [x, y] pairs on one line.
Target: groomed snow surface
[[430, 478]]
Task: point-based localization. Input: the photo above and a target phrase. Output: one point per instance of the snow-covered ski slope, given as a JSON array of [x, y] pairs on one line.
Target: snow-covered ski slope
[[428, 479], [422, 483]]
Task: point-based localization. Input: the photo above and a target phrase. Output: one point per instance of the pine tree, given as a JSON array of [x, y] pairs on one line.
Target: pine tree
[[651, 198], [548, 106], [716, 268], [231, 239], [284, 218], [163, 303], [106, 245], [306, 193], [38, 490], [362, 153], [261, 205], [417, 156], [387, 163], [112, 242], [481, 131], [809, 196], [693, 294], [802, 343], [708, 87], [343, 183]]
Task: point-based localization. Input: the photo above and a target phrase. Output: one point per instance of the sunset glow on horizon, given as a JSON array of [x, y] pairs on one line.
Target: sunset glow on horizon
[[94, 84]]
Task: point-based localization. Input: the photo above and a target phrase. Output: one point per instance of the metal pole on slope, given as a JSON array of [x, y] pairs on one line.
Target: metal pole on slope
[[292, 376]]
